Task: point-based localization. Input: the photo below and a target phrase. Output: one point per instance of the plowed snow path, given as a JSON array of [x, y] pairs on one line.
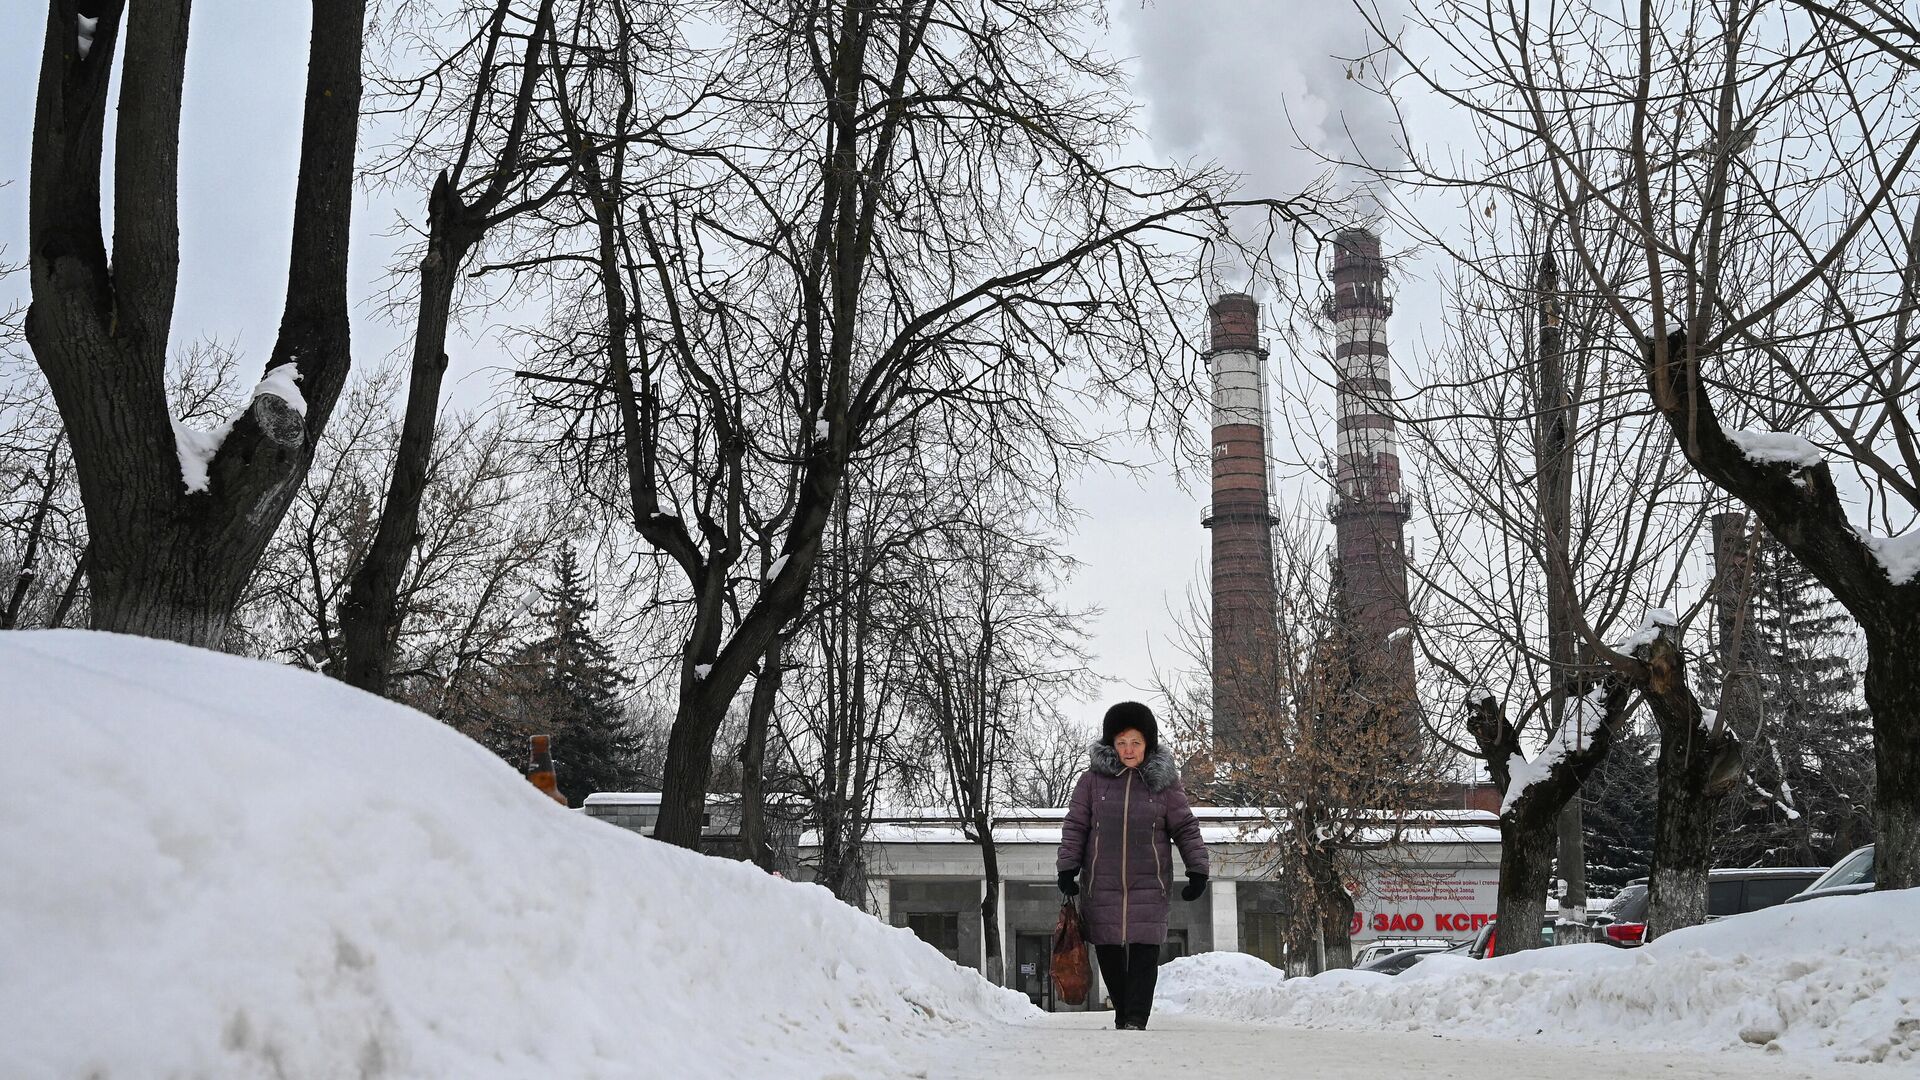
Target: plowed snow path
[[1065, 1046]]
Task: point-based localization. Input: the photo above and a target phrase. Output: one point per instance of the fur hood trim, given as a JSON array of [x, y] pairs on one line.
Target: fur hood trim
[[1158, 770]]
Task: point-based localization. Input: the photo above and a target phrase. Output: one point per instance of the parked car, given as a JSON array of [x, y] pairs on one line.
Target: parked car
[[1852, 874], [1625, 920], [1374, 950], [1759, 887], [1731, 891], [1394, 963], [1482, 945]]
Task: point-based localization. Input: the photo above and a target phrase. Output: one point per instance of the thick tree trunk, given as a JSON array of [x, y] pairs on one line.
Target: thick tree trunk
[[689, 765], [170, 592], [370, 616], [1893, 693], [1799, 504], [843, 830], [704, 699], [1304, 932], [166, 562], [1336, 911], [753, 756], [1526, 862], [1683, 830], [833, 870], [1699, 765], [1529, 818], [843, 870]]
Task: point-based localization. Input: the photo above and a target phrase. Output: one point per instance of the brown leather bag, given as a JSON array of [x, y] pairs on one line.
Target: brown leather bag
[[1070, 972]]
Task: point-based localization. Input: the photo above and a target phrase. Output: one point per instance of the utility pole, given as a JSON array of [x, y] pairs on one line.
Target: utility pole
[[1552, 447]]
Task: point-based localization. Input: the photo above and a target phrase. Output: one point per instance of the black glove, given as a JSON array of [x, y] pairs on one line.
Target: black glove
[[1196, 884], [1067, 883]]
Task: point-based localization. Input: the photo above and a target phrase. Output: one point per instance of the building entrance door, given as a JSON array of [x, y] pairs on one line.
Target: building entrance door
[[1263, 934], [1033, 968]]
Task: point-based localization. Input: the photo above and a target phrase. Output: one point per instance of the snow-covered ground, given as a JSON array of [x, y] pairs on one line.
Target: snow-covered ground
[[1831, 980], [216, 867], [1084, 1046]]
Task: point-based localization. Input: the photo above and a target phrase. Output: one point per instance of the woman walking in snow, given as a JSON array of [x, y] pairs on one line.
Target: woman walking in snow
[[1127, 813]]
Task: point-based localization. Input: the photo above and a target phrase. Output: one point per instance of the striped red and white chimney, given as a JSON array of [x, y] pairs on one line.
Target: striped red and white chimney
[[1369, 509], [1241, 519]]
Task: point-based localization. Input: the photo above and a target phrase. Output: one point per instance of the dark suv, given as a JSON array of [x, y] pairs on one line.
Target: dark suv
[[1729, 892]]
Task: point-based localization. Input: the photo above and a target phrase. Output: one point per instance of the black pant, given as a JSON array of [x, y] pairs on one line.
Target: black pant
[[1130, 972]]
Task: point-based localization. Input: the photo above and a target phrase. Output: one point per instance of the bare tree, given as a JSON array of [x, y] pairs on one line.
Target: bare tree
[[40, 530], [845, 730], [995, 649], [496, 169], [487, 527], [1050, 753], [892, 205], [170, 549], [1753, 158], [1323, 747], [1562, 518], [1535, 792]]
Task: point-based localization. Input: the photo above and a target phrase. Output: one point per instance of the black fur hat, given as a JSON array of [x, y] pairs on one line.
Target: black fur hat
[[1130, 714]]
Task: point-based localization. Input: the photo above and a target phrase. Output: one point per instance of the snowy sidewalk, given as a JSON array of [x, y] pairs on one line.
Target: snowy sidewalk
[[1065, 1046]]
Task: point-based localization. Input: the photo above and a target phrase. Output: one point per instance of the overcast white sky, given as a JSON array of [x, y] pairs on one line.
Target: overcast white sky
[[1244, 82]]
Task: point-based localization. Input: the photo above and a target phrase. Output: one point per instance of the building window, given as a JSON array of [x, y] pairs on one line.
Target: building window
[[940, 929]]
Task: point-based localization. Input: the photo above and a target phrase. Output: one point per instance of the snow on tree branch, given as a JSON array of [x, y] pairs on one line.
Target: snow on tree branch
[[1775, 448], [197, 446], [1586, 716], [1656, 621], [1899, 555]]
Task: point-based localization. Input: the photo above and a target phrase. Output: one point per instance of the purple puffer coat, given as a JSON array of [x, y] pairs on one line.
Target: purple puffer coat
[[1120, 830]]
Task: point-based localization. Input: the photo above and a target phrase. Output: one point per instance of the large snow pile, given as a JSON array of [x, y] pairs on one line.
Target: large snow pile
[[216, 867], [1834, 979], [1210, 976]]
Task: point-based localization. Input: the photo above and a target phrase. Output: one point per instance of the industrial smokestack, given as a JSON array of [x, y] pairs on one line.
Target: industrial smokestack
[[1369, 509], [1241, 519]]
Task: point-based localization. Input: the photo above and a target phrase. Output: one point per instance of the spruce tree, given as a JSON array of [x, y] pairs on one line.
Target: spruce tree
[[1808, 794], [1618, 812], [566, 683]]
